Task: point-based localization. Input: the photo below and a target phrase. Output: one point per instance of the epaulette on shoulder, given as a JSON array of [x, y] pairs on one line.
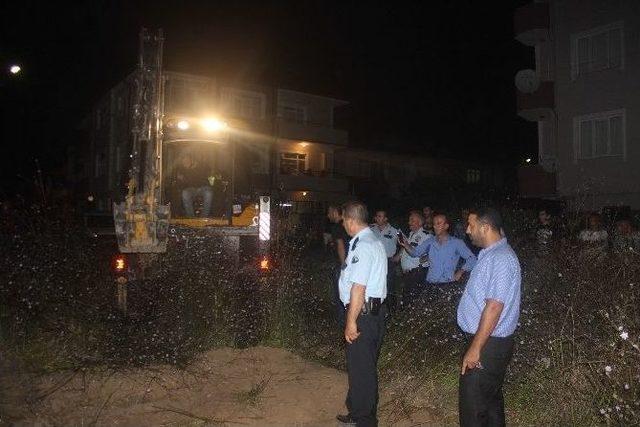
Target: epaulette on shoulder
[[355, 243]]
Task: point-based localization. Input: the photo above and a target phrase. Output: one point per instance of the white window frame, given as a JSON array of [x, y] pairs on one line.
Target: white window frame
[[297, 109], [605, 115], [605, 29], [304, 159], [229, 95]]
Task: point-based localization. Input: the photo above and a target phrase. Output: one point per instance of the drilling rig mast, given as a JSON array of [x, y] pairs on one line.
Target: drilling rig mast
[[141, 221]]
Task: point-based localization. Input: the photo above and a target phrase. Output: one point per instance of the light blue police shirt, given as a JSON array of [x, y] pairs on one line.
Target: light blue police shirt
[[388, 236], [444, 257], [366, 264], [495, 276], [407, 262]]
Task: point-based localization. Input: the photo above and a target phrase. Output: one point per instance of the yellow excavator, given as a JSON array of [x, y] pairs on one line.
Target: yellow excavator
[[143, 221]]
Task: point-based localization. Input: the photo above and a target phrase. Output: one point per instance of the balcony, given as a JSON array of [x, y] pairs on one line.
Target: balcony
[[531, 23], [313, 182], [539, 105], [534, 181], [311, 132]]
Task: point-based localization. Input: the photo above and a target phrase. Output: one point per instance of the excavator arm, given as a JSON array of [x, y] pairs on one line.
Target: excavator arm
[[141, 221]]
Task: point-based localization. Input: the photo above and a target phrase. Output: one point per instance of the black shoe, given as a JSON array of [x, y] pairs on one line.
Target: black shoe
[[346, 419]]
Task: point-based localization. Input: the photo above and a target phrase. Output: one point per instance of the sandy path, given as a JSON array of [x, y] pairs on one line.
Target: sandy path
[[258, 386]]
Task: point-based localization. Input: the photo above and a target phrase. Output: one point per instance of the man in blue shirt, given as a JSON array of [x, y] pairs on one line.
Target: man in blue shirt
[[363, 290], [444, 253], [488, 314]]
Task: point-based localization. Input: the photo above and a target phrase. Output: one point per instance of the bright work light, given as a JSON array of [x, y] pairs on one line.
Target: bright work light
[[183, 125]]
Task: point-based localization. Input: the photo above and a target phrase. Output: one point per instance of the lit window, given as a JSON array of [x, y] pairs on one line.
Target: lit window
[[473, 176], [292, 163]]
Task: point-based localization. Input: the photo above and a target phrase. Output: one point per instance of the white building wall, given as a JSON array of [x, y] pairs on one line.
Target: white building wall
[[602, 181]]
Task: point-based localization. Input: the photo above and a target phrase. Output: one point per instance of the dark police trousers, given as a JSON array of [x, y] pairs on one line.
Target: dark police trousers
[[480, 399], [413, 285], [362, 359]]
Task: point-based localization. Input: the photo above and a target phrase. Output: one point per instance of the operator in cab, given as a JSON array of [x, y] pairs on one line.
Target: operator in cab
[[192, 180]]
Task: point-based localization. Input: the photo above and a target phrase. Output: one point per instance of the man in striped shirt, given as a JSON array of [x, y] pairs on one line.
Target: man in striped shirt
[[488, 314]]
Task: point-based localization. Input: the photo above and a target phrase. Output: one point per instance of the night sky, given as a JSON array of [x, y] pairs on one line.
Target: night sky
[[435, 80]]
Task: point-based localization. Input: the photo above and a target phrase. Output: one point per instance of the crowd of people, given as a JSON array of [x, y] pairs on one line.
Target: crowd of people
[[619, 236], [380, 269], [435, 255]]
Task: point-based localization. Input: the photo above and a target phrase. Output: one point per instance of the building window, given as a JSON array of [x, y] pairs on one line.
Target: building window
[[599, 49], [473, 176], [340, 166], [326, 162], [120, 104], [118, 159], [99, 165], [363, 168], [244, 104], [600, 135], [260, 164], [292, 113], [184, 95], [292, 163]]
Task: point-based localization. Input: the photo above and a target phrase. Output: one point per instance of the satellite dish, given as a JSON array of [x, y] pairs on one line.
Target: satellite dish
[[527, 81]]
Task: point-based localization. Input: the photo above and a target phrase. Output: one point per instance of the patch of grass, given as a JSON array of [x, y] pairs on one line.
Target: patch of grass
[[42, 355]]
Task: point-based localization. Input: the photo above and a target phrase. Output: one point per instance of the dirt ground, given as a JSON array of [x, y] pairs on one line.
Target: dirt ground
[[258, 386]]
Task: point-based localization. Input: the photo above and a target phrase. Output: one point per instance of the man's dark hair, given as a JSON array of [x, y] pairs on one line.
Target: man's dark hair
[[355, 210], [416, 212], [489, 216], [442, 214]]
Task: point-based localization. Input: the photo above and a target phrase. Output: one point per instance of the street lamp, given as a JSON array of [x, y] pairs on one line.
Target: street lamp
[[528, 160], [15, 69]]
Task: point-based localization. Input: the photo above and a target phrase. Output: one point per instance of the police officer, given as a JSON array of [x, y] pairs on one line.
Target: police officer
[[363, 289], [413, 269], [388, 235]]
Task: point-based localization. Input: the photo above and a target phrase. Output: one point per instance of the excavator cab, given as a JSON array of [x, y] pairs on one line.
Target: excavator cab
[[197, 180]]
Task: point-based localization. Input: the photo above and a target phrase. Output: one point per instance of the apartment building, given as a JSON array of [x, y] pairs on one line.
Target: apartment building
[[585, 97], [376, 174], [284, 140]]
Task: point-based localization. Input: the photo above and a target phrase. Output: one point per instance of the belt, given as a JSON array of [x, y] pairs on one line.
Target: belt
[[370, 306], [470, 337], [441, 283], [413, 270]]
